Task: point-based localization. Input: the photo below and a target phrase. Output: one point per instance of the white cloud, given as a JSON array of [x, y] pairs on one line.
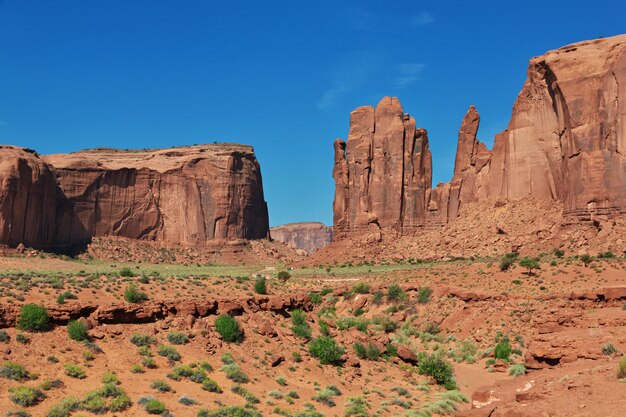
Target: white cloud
[[408, 73], [347, 76], [422, 18]]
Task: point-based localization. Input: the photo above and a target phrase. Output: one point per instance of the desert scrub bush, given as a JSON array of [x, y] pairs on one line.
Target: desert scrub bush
[[245, 394], [139, 339], [169, 352], [300, 327], [260, 285], [465, 351], [64, 408], [234, 373], [609, 349], [177, 338], [586, 259], [127, 272], [211, 386], [186, 400], [65, 296], [606, 255], [230, 411], [369, 352], [503, 349], [281, 380], [386, 323], [22, 338], [137, 369], [361, 288], [559, 253], [152, 405], [508, 260], [438, 368], [424, 294], [161, 386], [110, 377], [326, 350], [74, 371], [48, 384], [14, 371], [395, 294], [25, 396], [227, 358], [445, 403], [77, 330], [326, 396], [284, 276], [18, 413], [356, 407], [517, 370], [228, 327], [530, 264], [4, 336], [33, 318], [133, 295], [621, 368]]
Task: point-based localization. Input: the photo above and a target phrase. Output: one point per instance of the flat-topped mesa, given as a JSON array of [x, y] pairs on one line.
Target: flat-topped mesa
[[308, 236], [381, 172], [184, 195], [566, 141]]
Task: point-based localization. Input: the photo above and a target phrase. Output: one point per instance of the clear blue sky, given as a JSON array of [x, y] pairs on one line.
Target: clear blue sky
[[282, 76]]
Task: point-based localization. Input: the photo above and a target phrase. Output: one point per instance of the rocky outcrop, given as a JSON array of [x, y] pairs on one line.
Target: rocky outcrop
[[185, 195], [381, 172], [308, 236], [565, 142], [27, 197]]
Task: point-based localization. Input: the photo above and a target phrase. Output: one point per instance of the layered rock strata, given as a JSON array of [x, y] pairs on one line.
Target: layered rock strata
[[184, 195], [308, 236], [565, 142]]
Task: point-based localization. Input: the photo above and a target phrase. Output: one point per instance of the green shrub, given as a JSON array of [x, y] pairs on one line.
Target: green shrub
[[356, 407], [369, 352], [127, 272], [326, 396], [77, 330], [284, 276], [169, 352], [517, 370], [74, 371], [438, 368], [559, 253], [609, 349], [110, 377], [361, 288], [395, 293], [161, 386], [586, 259], [424, 294], [247, 395], [132, 295], [154, 406], [4, 336], [621, 368], [139, 339], [234, 373], [14, 371], [326, 350], [503, 349], [529, 264], [33, 318], [300, 326], [177, 338], [25, 396], [228, 328], [211, 386], [64, 408], [65, 296], [230, 411], [260, 285], [508, 260], [606, 255], [22, 338]]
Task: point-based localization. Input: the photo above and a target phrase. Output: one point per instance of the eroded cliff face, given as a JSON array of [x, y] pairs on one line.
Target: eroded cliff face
[[308, 236], [184, 195], [381, 172], [565, 142]]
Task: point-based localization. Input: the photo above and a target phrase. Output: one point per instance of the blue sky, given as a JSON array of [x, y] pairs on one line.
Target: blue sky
[[282, 76]]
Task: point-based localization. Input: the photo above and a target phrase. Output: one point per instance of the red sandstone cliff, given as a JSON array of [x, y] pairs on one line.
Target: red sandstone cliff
[[308, 236], [565, 142], [183, 195]]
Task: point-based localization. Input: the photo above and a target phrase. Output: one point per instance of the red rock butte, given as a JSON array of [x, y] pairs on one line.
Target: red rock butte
[[565, 142], [187, 195]]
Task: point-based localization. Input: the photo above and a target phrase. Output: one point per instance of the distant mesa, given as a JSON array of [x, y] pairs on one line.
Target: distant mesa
[[307, 236], [566, 143], [187, 195]]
